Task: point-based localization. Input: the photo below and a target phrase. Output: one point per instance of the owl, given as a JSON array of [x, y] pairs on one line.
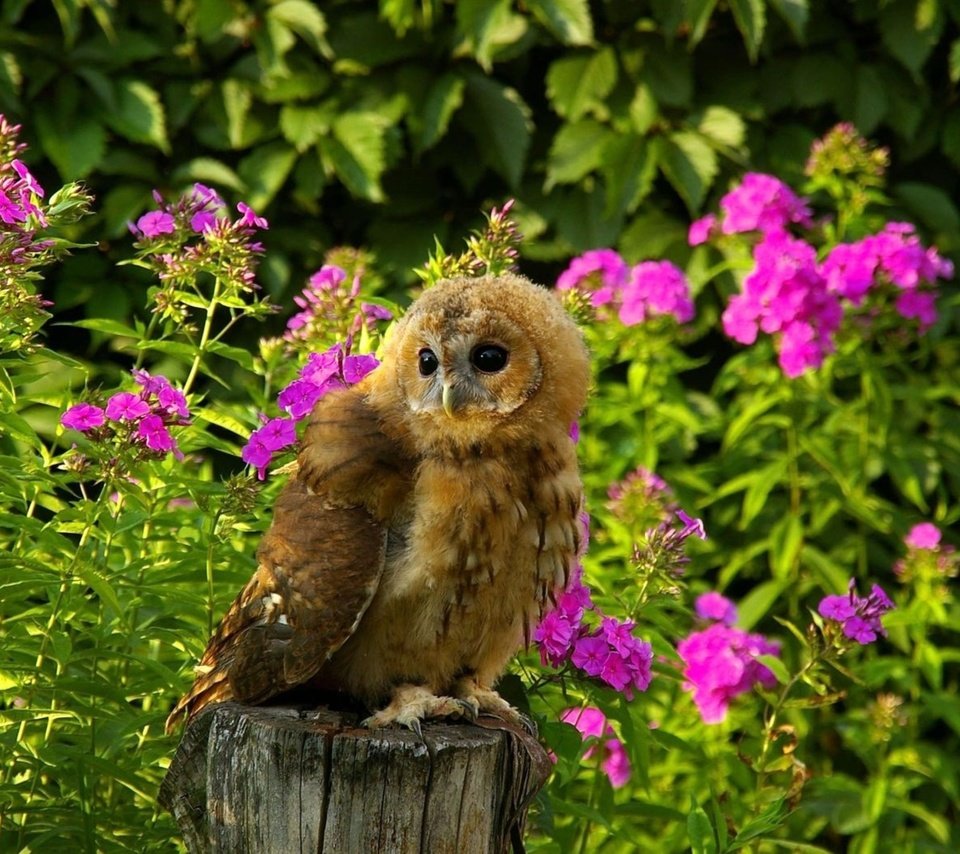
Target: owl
[[432, 518]]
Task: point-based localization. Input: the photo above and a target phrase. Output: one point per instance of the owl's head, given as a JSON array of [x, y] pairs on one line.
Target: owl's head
[[476, 360]]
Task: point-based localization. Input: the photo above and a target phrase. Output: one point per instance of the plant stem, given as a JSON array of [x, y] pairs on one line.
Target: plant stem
[[204, 336]]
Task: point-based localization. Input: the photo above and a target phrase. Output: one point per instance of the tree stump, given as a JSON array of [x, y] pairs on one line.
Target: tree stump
[[283, 779]]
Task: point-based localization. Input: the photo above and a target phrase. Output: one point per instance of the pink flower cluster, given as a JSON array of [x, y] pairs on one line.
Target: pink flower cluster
[[327, 302], [638, 293], [760, 203], [786, 295], [720, 661], [20, 212], [894, 255], [592, 724], [801, 301], [927, 556], [608, 651], [857, 616], [195, 233], [322, 373], [143, 417]]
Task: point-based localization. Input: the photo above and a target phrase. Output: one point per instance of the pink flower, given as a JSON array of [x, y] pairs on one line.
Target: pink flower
[[554, 636], [762, 203], [83, 417], [859, 616], [701, 230], [592, 723], [355, 368], [919, 305], [155, 435], [249, 217], [590, 654], [275, 435], [715, 606], [203, 220], [925, 535], [601, 271], [155, 223], [655, 288], [720, 664], [126, 406]]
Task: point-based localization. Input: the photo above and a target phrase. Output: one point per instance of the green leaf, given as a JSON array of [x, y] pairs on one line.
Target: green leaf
[[305, 19], [138, 114], [786, 541], [700, 832], [690, 165], [955, 61], [776, 667], [303, 125], [905, 37], [723, 126], [751, 19], [568, 20], [796, 13], [669, 74], [484, 25], [108, 327], [500, 121], [762, 483], [208, 171], [698, 14], [443, 99], [950, 138], [870, 100], [234, 354], [643, 109], [629, 167], [237, 100], [757, 603], [357, 152], [577, 150], [211, 17], [772, 816], [931, 205], [75, 144], [579, 84], [264, 170]]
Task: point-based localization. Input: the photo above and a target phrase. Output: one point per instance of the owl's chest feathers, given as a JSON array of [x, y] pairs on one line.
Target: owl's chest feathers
[[481, 546]]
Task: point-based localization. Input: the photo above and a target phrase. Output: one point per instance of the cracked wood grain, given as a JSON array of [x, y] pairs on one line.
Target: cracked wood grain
[[279, 779]]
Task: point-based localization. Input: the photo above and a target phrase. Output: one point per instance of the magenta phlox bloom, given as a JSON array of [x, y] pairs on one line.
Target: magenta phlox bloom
[[249, 218], [655, 288], [590, 653], [918, 305], [275, 435], [924, 535], [154, 434], [858, 616], [374, 312], [701, 230], [155, 223], [720, 664], [715, 607], [786, 295], [355, 368], [691, 526], [592, 723], [554, 636], [126, 406], [601, 271], [83, 417], [762, 203]]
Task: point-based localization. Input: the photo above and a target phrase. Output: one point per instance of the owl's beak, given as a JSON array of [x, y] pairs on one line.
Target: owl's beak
[[448, 399]]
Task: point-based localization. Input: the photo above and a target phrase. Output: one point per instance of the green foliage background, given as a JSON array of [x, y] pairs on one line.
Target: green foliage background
[[384, 124]]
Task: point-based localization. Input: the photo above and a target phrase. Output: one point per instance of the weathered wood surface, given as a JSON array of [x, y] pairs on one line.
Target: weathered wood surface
[[279, 779]]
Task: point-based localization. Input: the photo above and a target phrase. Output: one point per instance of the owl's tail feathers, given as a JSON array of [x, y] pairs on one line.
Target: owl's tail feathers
[[211, 686]]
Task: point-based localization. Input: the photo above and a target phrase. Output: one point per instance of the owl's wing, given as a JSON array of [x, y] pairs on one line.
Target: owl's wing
[[319, 567]]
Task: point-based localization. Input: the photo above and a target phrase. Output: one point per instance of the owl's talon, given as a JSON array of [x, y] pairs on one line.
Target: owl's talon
[[414, 724], [470, 707]]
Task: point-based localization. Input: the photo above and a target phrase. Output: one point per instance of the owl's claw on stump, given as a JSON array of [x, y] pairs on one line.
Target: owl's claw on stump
[[412, 704], [469, 691]]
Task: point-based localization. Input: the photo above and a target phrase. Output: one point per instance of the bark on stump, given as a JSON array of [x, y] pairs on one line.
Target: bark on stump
[[280, 779]]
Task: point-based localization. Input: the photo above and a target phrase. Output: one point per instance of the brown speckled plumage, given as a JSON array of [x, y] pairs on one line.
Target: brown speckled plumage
[[426, 528]]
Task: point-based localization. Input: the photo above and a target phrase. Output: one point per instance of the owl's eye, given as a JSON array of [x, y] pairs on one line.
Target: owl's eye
[[428, 362], [489, 358]]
